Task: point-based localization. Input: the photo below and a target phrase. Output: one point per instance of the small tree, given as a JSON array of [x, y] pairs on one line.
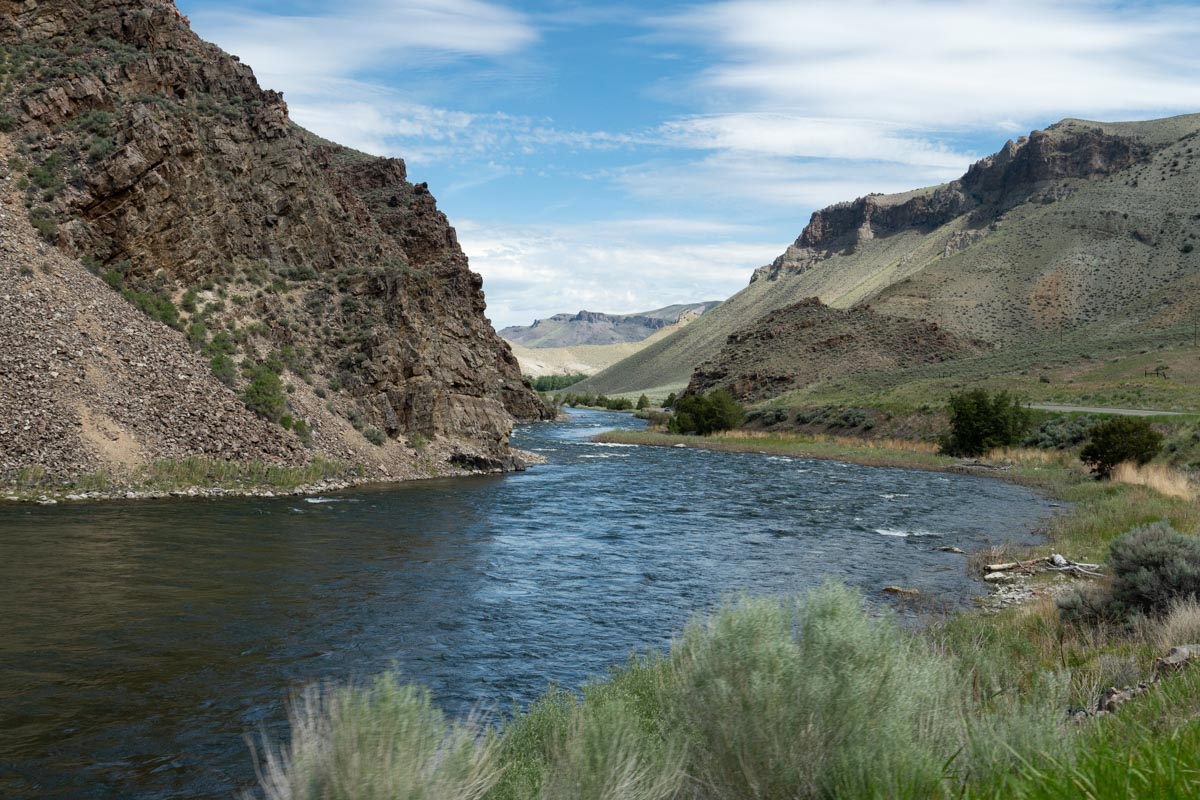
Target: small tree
[[670, 401], [265, 396], [980, 421], [1120, 439], [643, 402], [707, 413]]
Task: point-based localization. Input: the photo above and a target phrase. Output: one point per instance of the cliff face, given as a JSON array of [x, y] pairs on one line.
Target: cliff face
[[991, 186], [158, 160]]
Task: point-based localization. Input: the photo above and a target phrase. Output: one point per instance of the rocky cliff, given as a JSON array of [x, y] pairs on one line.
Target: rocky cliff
[[1016, 174], [157, 161]]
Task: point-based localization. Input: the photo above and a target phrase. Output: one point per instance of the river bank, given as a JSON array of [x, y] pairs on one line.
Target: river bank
[[208, 478]]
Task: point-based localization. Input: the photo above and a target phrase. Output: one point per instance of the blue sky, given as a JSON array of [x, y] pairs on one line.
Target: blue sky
[[622, 157]]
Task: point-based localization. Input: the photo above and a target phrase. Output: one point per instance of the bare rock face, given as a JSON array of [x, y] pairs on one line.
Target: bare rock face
[[158, 160], [991, 186]]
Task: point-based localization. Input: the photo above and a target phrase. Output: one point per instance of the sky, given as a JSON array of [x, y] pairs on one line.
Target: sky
[[620, 158]]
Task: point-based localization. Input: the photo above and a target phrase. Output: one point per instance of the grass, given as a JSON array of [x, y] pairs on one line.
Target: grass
[[173, 475], [1162, 479], [378, 742], [869, 452], [187, 473]]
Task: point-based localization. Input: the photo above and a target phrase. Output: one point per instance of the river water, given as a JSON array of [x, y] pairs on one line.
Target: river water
[[141, 643]]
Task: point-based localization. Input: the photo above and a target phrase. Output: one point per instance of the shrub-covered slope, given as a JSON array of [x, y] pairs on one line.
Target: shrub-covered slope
[[809, 342]]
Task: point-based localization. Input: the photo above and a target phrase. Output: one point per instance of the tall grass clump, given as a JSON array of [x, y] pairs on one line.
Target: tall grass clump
[[1160, 478], [384, 741]]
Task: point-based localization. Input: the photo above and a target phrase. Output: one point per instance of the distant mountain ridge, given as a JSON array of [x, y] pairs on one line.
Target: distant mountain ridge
[[1086, 229], [596, 328]]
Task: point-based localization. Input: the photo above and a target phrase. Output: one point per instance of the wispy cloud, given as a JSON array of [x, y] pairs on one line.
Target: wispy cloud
[[779, 134], [937, 64], [365, 35], [738, 183]]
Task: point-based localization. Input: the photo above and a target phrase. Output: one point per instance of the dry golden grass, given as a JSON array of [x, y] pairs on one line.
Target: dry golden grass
[[1024, 455], [1162, 479], [899, 445], [853, 442], [744, 434], [1181, 625], [978, 560]]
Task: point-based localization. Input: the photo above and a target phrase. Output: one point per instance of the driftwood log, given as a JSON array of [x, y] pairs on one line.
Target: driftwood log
[[1052, 563]]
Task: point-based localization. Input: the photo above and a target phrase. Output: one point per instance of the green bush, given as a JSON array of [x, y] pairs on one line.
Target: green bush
[[706, 413], [980, 421], [43, 222], [154, 305], [220, 344], [375, 436], [643, 402], [1152, 567], [265, 396], [223, 368], [1118, 440], [615, 403], [1060, 433], [197, 334]]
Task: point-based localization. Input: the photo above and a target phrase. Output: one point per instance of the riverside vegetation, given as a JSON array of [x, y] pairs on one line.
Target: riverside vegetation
[[818, 697]]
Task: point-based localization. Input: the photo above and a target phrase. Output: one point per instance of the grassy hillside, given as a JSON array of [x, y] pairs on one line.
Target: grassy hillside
[[1086, 231]]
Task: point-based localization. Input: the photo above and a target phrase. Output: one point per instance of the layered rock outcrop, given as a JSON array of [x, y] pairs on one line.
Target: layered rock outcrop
[[989, 187]]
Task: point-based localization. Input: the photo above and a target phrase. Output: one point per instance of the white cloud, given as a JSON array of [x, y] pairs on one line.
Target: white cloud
[[532, 271], [741, 183], [939, 65], [779, 134], [365, 34]]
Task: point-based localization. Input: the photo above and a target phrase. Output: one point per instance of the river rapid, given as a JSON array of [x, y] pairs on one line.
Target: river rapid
[[142, 643]]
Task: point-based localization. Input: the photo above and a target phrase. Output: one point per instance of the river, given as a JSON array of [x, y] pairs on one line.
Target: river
[[141, 643]]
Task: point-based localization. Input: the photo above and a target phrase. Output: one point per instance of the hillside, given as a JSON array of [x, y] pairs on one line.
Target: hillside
[[809, 342], [1083, 230], [154, 161], [594, 328], [587, 359]]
